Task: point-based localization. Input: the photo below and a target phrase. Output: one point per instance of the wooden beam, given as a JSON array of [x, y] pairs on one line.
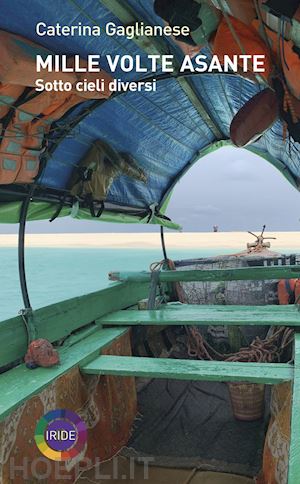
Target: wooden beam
[[189, 369], [59, 320], [184, 314], [20, 384], [294, 453], [214, 275]]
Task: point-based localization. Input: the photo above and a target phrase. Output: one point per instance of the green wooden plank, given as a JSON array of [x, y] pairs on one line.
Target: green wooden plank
[[20, 384], [59, 320], [189, 369], [193, 314], [294, 453], [214, 275]]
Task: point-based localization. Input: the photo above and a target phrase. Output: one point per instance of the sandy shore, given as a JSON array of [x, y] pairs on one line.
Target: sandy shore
[[187, 240]]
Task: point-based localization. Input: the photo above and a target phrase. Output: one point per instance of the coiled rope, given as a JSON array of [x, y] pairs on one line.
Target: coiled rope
[[260, 350]]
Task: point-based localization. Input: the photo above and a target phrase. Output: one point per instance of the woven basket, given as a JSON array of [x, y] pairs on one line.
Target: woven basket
[[248, 400]]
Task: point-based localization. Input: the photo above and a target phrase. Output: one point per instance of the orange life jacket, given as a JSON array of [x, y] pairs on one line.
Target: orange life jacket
[[286, 57], [297, 291], [23, 136], [286, 290], [242, 10], [225, 44], [24, 122]]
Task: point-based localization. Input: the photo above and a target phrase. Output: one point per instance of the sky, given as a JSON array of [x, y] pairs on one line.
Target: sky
[[232, 188]]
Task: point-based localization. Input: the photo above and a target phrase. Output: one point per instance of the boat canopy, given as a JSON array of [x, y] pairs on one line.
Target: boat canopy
[[165, 131]]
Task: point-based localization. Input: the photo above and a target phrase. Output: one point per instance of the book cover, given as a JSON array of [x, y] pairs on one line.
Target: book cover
[[145, 336]]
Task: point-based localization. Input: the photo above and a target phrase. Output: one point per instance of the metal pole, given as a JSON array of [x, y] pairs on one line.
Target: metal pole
[[21, 249], [163, 244]]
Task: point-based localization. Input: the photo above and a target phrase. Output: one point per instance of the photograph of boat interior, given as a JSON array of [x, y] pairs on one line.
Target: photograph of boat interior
[[186, 371]]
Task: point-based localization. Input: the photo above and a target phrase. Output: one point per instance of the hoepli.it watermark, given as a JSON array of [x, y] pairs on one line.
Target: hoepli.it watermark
[[42, 469]]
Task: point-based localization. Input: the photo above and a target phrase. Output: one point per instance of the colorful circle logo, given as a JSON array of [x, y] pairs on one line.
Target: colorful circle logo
[[60, 435]]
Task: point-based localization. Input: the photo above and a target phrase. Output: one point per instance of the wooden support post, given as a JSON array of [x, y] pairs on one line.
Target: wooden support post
[[294, 454], [234, 338]]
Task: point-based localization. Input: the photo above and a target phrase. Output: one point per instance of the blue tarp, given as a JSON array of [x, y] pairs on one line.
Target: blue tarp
[[162, 130]]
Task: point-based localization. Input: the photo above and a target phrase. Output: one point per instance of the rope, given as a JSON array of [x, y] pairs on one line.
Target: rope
[[237, 39], [288, 104], [22, 313], [259, 351], [156, 266], [263, 30], [153, 289]]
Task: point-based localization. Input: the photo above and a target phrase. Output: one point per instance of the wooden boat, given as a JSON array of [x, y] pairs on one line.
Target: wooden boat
[[92, 335], [141, 145]]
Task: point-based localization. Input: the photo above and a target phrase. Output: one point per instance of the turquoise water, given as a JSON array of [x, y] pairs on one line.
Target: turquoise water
[[57, 274]]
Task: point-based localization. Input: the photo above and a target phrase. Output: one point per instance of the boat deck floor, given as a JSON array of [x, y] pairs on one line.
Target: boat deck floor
[[122, 470], [191, 424]]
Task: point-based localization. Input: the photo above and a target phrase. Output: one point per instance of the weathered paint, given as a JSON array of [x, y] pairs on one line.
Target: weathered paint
[[294, 454], [189, 369], [184, 314], [106, 404], [154, 45], [59, 320], [9, 213], [20, 383], [215, 275]]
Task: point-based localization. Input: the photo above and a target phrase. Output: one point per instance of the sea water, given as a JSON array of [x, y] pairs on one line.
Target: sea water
[[54, 275]]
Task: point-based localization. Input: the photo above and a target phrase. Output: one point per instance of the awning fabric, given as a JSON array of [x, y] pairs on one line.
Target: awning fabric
[[163, 130]]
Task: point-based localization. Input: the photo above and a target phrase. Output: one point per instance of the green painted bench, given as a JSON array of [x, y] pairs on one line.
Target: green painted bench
[[268, 373], [189, 369], [185, 314], [20, 383]]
